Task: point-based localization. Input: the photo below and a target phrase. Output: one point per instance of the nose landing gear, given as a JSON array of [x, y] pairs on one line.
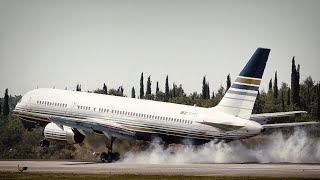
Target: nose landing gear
[[44, 143]]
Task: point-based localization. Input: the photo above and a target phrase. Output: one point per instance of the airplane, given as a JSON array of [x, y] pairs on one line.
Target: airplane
[[69, 115]]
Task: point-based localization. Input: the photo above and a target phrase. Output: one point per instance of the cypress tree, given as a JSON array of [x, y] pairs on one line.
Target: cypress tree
[[298, 85], [148, 92], [105, 89], [282, 100], [275, 87], [257, 108], [174, 90], [120, 90], [270, 85], [295, 84], [318, 102], [228, 82], [157, 88], [78, 88], [208, 91], [141, 87], [204, 88], [288, 97], [6, 104], [133, 93], [166, 97]]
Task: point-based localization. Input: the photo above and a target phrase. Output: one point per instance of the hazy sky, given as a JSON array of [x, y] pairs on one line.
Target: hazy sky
[[62, 43]]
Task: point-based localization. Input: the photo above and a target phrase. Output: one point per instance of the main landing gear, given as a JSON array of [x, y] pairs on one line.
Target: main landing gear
[[110, 157], [44, 143]]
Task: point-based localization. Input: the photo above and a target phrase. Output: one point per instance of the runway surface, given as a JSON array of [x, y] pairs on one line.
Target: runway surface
[[87, 167]]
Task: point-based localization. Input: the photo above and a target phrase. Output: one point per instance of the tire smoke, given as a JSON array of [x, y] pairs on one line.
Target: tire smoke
[[298, 148]]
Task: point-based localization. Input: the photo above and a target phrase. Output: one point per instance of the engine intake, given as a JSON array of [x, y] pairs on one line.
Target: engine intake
[[68, 134]]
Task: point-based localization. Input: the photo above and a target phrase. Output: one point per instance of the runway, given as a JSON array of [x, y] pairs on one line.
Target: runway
[[88, 167]]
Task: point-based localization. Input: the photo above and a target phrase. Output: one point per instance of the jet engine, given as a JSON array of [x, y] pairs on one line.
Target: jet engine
[[63, 133]]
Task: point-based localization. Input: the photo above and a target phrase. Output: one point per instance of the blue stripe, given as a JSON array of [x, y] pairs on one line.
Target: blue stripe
[[245, 87]]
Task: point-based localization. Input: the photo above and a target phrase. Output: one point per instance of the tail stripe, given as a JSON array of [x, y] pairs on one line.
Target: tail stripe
[[240, 99], [248, 81], [242, 93], [245, 87]]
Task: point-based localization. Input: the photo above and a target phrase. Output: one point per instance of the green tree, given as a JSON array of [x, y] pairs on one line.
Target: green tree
[[257, 108], [105, 89], [208, 91], [148, 91], [275, 87], [167, 95], [228, 82], [318, 102], [6, 107], [295, 85], [270, 85], [204, 88], [141, 87], [78, 88], [288, 97], [157, 88], [120, 90], [133, 93]]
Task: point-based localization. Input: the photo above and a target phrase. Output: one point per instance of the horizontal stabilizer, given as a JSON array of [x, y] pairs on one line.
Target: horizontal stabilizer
[[281, 125], [255, 117]]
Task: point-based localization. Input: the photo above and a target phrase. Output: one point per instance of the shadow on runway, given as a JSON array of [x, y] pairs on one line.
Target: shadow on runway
[[83, 163]]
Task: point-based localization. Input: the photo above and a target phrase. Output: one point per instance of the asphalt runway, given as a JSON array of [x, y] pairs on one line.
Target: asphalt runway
[[88, 167]]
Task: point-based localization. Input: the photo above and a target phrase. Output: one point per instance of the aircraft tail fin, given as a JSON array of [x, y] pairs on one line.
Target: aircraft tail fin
[[240, 97]]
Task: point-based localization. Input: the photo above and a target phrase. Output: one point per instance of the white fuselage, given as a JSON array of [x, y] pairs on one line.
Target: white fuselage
[[148, 119]]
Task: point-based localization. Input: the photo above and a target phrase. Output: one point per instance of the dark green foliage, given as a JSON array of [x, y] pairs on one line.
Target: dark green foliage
[[167, 95], [78, 88], [105, 89], [115, 92], [228, 82], [6, 108], [148, 92], [318, 102], [141, 87], [133, 93], [120, 90], [270, 85], [275, 87], [288, 97], [157, 88], [205, 89], [295, 85], [257, 108]]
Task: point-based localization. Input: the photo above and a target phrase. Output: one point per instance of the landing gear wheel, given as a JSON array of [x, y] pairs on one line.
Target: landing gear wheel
[[44, 143], [103, 157], [116, 156]]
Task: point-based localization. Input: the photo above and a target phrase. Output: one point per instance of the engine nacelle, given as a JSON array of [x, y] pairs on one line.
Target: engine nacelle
[[68, 134]]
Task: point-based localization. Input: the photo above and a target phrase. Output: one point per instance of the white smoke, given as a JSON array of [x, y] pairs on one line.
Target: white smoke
[[298, 148]]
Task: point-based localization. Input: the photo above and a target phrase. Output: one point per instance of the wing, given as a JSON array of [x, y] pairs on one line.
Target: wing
[[101, 126], [280, 125]]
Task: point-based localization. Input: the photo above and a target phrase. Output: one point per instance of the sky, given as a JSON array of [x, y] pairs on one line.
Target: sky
[[57, 44]]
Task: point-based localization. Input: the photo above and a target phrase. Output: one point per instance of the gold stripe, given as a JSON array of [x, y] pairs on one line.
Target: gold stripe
[[248, 81], [140, 128]]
